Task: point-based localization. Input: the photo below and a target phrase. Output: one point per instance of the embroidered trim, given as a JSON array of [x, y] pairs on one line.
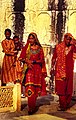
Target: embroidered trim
[[34, 51], [32, 84]]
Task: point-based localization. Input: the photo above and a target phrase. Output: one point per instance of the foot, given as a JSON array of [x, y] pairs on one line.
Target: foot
[[68, 106], [33, 111], [61, 109], [22, 96], [30, 112]]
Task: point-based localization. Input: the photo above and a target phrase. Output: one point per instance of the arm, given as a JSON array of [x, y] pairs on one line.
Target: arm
[[8, 48], [25, 55], [42, 61], [73, 43], [53, 59], [23, 52]]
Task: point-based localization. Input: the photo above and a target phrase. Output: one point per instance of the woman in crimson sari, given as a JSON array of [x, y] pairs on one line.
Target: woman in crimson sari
[[64, 64], [35, 71]]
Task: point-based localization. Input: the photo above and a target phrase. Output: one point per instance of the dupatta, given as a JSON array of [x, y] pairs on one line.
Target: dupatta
[[25, 54]]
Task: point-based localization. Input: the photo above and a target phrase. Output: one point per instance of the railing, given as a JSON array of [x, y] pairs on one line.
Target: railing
[[10, 98]]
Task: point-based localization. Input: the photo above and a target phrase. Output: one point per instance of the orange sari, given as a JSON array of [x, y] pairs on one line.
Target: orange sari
[[8, 66]]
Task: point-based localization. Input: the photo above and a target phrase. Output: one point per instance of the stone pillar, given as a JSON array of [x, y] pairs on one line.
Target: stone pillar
[[5, 21]]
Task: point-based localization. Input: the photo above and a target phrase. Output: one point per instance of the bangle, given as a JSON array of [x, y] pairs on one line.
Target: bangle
[[34, 61], [52, 68]]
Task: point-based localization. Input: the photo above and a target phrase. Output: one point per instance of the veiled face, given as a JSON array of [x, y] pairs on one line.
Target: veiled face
[[67, 40]]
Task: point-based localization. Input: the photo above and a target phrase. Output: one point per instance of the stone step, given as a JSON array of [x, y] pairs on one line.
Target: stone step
[[38, 117]]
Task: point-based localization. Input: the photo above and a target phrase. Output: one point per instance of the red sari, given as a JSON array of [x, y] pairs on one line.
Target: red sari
[[34, 80], [64, 73]]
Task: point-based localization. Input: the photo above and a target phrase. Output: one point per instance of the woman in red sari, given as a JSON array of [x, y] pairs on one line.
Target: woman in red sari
[[35, 71], [64, 64]]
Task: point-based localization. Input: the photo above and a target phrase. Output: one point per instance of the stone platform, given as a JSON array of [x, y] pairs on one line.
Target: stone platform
[[47, 110], [38, 117]]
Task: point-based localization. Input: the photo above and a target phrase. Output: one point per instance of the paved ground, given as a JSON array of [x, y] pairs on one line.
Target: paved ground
[[47, 110]]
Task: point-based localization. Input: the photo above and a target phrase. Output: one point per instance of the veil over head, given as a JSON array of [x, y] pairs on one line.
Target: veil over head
[[68, 35], [36, 38]]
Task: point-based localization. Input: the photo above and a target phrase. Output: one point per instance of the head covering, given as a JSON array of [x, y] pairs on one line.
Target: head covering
[[34, 34], [26, 48], [36, 38], [69, 35]]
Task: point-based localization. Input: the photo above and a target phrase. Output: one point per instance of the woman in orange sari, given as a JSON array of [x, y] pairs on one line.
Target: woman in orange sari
[[8, 66], [35, 71]]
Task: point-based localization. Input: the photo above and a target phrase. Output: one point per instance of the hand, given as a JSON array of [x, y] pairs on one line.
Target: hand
[[34, 61], [44, 74], [52, 72], [16, 52], [29, 63], [73, 42], [64, 78], [30, 66]]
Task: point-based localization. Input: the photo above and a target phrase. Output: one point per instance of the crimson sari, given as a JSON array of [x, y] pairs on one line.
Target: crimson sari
[[34, 77], [64, 73]]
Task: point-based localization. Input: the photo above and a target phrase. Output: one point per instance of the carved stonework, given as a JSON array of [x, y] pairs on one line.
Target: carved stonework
[[71, 4]]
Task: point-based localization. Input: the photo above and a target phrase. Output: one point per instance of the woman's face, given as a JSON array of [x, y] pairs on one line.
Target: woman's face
[[68, 41], [16, 40], [7, 34], [31, 40]]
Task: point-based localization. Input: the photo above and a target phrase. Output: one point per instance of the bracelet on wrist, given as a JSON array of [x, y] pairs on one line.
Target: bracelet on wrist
[[34, 61]]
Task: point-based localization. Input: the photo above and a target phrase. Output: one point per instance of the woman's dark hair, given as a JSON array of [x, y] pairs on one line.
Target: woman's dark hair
[[15, 37], [31, 35], [8, 31], [35, 37], [66, 36]]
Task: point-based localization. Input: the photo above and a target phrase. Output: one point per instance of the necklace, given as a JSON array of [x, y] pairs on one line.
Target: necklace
[[35, 51]]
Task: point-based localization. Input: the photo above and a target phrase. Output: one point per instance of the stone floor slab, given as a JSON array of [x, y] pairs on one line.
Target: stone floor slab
[[39, 117]]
